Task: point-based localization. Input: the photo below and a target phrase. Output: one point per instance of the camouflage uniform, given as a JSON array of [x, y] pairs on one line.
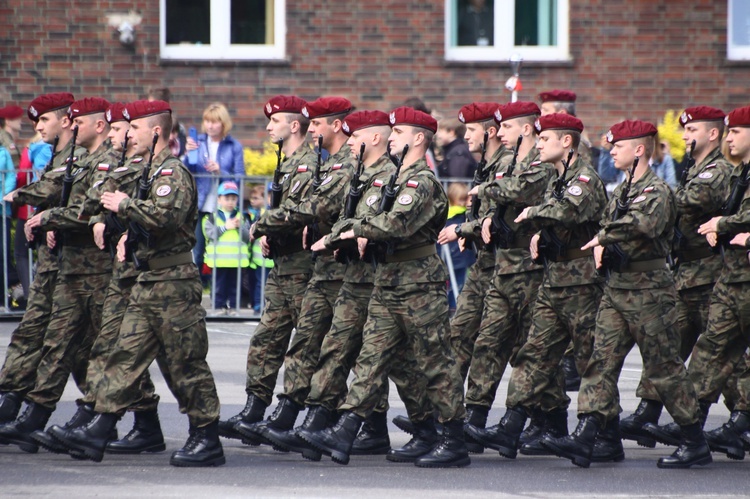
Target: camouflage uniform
[[409, 305], [285, 287], [569, 297], [164, 315], [638, 306], [25, 349], [506, 317], [84, 273]]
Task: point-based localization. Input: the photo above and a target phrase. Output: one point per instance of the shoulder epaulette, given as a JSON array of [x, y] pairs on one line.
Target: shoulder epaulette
[[712, 165]]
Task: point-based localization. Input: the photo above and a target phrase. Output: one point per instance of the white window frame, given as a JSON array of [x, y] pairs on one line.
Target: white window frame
[[504, 37], [735, 52], [220, 47]]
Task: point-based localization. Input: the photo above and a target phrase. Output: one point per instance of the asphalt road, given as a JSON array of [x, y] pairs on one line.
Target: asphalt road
[[262, 472]]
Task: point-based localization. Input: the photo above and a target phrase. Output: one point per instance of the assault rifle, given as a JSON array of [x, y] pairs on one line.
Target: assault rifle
[[67, 186], [276, 185], [480, 177], [112, 225], [502, 233], [353, 197], [733, 203], [678, 241], [613, 257], [312, 229], [136, 233], [550, 246]]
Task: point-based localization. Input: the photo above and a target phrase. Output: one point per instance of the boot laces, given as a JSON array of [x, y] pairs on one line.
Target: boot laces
[[195, 439]]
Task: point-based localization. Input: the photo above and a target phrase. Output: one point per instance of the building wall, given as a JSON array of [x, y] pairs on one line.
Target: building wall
[[627, 62]]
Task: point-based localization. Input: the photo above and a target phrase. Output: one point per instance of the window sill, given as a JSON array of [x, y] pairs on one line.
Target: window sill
[[564, 63], [226, 62]]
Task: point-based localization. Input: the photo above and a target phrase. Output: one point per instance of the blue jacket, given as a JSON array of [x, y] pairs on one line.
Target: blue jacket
[[8, 181], [231, 161]]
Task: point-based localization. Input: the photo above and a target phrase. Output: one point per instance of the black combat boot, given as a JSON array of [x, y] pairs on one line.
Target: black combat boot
[[10, 404], [318, 418], [252, 413], [572, 377], [404, 424], [476, 417], [671, 434], [632, 427], [283, 419], [19, 431], [535, 428], [451, 452], [693, 450], [579, 446], [728, 438], [47, 440], [608, 444], [373, 438], [88, 442], [203, 448], [335, 441], [424, 440], [504, 436], [555, 425], [146, 436]]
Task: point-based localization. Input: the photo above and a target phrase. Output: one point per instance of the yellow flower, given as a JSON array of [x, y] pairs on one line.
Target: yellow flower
[[261, 164], [670, 132]]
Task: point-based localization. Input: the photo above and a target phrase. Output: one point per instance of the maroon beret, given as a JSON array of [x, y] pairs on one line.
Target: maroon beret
[[738, 117], [326, 106], [558, 121], [630, 129], [49, 102], [477, 111], [557, 96], [143, 108], [364, 119], [114, 112], [11, 112], [88, 105], [284, 104], [701, 113], [516, 110], [409, 116]]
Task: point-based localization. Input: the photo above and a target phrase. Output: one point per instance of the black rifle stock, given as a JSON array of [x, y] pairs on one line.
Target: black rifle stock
[[136, 233], [502, 233], [67, 186], [550, 247], [613, 257], [276, 185], [678, 241]]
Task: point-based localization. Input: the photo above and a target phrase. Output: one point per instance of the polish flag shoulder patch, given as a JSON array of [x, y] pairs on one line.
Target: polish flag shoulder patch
[[535, 163], [584, 179], [648, 189], [413, 184], [377, 183], [102, 167], [499, 174], [712, 165], [166, 172], [337, 166], [301, 168], [137, 160]]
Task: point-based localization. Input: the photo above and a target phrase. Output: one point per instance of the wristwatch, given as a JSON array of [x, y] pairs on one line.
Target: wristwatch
[[458, 229]]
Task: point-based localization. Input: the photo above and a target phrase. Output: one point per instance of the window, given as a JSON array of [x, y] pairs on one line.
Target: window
[[493, 30], [222, 29], [738, 26]]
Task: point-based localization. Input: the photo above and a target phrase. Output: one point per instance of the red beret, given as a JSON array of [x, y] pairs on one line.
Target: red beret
[[630, 129], [409, 116], [558, 121], [89, 105], [326, 106], [49, 102], [114, 112], [557, 96], [11, 112], [477, 111], [284, 104], [738, 117], [516, 110], [143, 108], [701, 113], [364, 119]]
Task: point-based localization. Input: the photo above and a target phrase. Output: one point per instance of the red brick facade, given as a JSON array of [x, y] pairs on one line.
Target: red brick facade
[[629, 59]]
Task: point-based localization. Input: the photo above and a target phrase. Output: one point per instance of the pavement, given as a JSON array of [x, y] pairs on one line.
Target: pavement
[[262, 472]]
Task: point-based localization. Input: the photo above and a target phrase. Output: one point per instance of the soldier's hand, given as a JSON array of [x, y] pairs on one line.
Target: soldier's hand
[[591, 244], [111, 200], [264, 247], [447, 235], [534, 246], [349, 234], [474, 191], [99, 234], [598, 252], [8, 198], [710, 226], [712, 238], [51, 241], [486, 230], [524, 215], [361, 246], [34, 222], [121, 247], [462, 244], [320, 244], [28, 232], [304, 238], [740, 239]]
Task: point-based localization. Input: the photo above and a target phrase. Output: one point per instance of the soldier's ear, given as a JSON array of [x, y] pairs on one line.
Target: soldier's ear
[[336, 125], [294, 126]]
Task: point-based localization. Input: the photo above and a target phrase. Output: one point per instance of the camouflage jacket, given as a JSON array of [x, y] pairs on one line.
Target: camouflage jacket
[[644, 233], [524, 188], [6, 141], [705, 191], [574, 219], [736, 267]]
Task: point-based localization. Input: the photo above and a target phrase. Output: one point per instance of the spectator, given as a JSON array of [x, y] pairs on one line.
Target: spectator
[[457, 198], [220, 158], [7, 184], [457, 160], [662, 164], [259, 265], [605, 167], [227, 236], [476, 23]]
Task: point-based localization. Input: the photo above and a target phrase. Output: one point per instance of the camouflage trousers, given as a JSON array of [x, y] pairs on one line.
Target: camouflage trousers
[[25, 348], [506, 320], [115, 305], [162, 317], [646, 317], [468, 317], [283, 300], [339, 352], [411, 316], [75, 320], [561, 316], [721, 348]]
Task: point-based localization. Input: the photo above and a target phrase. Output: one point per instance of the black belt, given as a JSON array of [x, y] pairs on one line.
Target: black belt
[[694, 254], [411, 254], [646, 265], [166, 262], [574, 254], [78, 239]]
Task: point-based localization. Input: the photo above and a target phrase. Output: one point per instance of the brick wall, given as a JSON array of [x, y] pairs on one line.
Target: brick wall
[[632, 62]]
